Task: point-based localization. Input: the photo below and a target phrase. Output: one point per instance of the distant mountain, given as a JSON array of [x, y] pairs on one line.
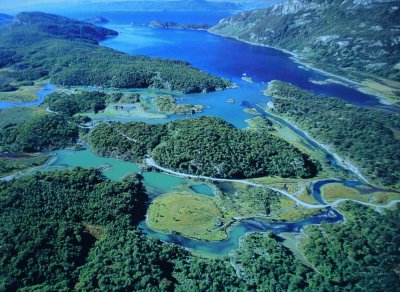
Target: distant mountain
[[61, 26], [174, 5], [175, 25], [5, 18], [359, 39]]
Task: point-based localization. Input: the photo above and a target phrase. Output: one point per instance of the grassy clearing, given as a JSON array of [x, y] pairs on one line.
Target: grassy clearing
[[193, 216], [18, 96], [115, 110], [11, 165], [18, 115], [23, 94], [385, 197], [306, 197], [288, 211], [389, 89], [334, 191]]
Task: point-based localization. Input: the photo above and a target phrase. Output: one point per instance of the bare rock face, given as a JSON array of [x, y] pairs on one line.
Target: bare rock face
[[369, 2], [294, 6]]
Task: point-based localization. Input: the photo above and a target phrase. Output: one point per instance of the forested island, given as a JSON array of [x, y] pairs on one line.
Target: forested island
[[366, 136], [167, 104], [175, 25], [204, 146], [39, 46]]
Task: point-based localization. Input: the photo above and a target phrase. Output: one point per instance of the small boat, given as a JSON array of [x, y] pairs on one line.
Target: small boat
[[231, 100]]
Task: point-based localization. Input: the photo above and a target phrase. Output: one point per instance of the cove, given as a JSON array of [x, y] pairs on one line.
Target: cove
[[155, 182]]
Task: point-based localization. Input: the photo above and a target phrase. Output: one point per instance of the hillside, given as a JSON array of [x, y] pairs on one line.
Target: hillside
[[39, 46], [366, 136], [60, 26], [5, 18], [357, 39]]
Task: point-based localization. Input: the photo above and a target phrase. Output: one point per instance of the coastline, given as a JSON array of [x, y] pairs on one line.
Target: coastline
[[344, 162], [297, 59]]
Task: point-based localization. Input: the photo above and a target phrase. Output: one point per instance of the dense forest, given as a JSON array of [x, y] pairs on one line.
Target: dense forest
[[39, 45], [204, 146], [368, 137], [38, 133], [167, 104], [362, 254], [74, 230], [71, 104]]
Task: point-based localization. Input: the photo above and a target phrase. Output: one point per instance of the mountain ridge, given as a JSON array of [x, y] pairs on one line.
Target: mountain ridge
[[356, 39]]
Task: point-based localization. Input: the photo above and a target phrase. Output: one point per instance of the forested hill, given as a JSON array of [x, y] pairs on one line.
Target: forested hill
[[39, 46], [368, 137], [61, 26], [349, 37], [5, 18]]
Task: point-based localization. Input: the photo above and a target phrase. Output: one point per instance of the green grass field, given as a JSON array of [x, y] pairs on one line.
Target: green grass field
[[11, 165], [334, 191], [18, 115], [193, 216]]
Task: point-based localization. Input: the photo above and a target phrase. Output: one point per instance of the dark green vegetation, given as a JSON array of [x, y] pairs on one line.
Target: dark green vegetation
[[369, 137], [203, 146], [71, 104], [39, 133], [49, 224], [261, 254], [338, 36], [39, 45], [167, 104], [60, 26], [362, 254], [74, 230], [106, 139]]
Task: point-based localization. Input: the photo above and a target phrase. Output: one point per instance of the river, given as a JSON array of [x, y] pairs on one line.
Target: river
[[223, 57]]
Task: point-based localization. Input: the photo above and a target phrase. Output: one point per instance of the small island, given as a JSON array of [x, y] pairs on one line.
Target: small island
[[175, 25], [167, 104], [97, 20]]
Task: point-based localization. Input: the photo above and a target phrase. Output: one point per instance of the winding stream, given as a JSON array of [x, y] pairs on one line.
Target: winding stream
[[229, 59]]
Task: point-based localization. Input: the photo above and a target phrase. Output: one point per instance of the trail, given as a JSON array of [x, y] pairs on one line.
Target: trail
[[150, 161]]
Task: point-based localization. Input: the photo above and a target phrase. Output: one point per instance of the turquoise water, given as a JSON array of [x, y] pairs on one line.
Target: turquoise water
[[203, 189], [155, 182]]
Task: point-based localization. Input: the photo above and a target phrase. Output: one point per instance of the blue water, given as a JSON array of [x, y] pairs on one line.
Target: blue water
[[227, 58], [47, 89], [223, 247]]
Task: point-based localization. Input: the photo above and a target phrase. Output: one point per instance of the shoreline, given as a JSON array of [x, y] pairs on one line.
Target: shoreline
[[342, 161], [297, 59]]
